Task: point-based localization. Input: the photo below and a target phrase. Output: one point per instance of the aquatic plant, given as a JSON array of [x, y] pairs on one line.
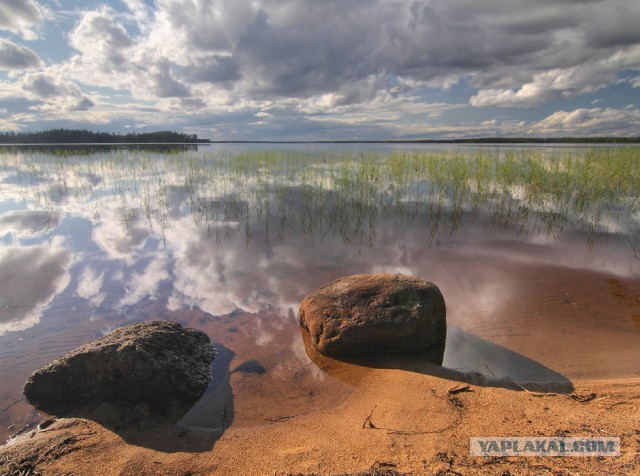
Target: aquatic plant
[[530, 190]]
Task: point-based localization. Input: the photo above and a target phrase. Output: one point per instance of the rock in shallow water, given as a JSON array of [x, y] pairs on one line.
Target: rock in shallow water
[[369, 314], [159, 363]]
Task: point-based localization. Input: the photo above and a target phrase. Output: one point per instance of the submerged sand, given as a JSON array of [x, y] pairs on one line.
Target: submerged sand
[[326, 417]]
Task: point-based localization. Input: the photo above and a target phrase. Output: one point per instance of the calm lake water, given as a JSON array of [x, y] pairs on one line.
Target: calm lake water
[[536, 250]]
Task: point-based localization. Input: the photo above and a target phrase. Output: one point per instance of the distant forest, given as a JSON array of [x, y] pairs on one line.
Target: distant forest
[[546, 140], [476, 140], [504, 140], [83, 136]]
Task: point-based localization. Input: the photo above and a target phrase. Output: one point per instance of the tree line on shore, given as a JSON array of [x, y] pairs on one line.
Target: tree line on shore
[[83, 136], [548, 140]]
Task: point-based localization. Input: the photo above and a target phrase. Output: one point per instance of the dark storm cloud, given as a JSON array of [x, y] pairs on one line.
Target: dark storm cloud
[[614, 24]]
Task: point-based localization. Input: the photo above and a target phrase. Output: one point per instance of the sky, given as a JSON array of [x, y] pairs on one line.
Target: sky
[[323, 69]]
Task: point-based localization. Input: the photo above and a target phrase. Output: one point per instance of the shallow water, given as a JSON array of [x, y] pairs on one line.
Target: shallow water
[[229, 241]]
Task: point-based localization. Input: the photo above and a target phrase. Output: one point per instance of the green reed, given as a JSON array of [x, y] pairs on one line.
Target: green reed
[[345, 194]]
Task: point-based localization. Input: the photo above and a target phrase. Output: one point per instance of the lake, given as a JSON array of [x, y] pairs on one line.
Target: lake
[[536, 250]]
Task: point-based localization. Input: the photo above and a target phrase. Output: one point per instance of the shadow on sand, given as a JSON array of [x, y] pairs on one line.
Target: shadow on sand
[[191, 428], [464, 358]]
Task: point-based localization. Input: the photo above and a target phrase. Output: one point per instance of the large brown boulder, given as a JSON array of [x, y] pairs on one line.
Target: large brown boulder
[[159, 363], [369, 314]]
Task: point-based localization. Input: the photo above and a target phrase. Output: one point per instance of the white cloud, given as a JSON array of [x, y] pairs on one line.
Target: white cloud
[[203, 62], [103, 42], [17, 57], [595, 121], [529, 94], [19, 16], [139, 10], [268, 49], [54, 92], [590, 76]]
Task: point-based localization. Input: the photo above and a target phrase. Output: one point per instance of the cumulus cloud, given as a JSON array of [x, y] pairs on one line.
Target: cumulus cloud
[[565, 82], [274, 49], [164, 84], [16, 57], [102, 41], [516, 54], [529, 94], [54, 92], [595, 121], [18, 16], [309, 59], [109, 56], [138, 10]]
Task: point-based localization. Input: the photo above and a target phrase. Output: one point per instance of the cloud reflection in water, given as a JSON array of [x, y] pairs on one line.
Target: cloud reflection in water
[[27, 223], [259, 232], [31, 277], [90, 286]]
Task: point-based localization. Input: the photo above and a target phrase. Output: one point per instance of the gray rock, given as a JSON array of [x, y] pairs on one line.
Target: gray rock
[[370, 314], [159, 363]]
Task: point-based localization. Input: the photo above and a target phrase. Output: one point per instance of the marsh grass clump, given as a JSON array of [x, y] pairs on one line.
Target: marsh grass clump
[[532, 190]]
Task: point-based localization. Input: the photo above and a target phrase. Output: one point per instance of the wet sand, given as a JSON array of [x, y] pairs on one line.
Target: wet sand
[[320, 416], [397, 420]]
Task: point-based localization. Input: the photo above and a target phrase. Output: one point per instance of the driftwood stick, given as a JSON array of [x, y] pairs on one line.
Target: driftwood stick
[[367, 422]]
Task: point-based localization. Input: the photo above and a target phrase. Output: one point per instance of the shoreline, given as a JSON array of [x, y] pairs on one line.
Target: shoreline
[[398, 420], [306, 417]]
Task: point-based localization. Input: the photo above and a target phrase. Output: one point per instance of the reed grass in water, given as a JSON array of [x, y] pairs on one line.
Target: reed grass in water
[[595, 191]]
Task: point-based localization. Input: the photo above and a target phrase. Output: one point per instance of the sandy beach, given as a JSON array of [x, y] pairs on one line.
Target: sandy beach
[[394, 422], [326, 417]]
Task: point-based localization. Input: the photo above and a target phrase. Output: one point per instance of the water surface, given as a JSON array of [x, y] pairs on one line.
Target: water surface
[[538, 261]]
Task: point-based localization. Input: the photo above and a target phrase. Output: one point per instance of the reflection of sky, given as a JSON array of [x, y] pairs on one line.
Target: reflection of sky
[[90, 286], [24, 223], [120, 240], [103, 241], [31, 277], [138, 226]]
